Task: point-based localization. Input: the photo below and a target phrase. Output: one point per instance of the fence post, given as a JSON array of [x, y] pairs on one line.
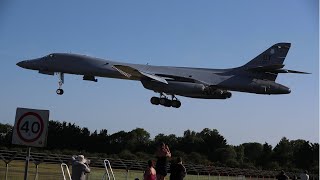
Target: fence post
[[37, 171], [127, 174], [7, 169]]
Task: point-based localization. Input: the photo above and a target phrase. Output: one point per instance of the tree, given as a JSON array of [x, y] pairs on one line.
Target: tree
[[302, 154], [171, 140], [191, 142], [212, 141], [196, 158], [117, 141], [266, 155], [252, 152], [137, 140], [226, 154], [283, 153], [5, 134], [240, 153]]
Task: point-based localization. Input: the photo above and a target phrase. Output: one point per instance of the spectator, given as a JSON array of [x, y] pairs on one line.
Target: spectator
[[162, 154], [282, 176], [150, 172], [294, 177], [80, 167], [178, 171], [304, 175]]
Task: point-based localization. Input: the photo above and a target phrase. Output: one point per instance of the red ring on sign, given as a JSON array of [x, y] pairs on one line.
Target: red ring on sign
[[41, 126]]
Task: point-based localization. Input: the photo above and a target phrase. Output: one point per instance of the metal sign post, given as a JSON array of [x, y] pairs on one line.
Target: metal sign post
[[27, 164]]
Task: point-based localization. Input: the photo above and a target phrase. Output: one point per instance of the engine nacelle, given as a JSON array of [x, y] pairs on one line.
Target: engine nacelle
[[187, 89], [173, 87], [219, 93]]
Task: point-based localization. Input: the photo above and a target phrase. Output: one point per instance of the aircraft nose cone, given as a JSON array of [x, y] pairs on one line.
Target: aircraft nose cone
[[20, 64], [289, 90], [286, 90]]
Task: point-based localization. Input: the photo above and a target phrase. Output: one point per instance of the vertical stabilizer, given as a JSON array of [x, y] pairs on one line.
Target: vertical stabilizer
[[273, 56]]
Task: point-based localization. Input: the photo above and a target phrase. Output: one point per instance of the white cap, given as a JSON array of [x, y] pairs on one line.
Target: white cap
[[81, 159]]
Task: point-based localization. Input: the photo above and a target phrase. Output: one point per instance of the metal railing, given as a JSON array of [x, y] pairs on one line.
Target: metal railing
[[63, 167], [133, 165], [108, 167]]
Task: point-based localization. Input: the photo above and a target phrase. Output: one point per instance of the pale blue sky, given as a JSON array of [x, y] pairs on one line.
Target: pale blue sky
[[209, 34]]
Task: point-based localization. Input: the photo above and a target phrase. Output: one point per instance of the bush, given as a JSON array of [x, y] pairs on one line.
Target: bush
[[126, 154]]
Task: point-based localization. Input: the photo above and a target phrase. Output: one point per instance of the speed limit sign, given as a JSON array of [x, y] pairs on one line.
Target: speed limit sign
[[30, 127]]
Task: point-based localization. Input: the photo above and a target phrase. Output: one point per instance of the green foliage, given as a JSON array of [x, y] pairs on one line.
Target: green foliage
[[126, 154], [205, 147], [196, 158]]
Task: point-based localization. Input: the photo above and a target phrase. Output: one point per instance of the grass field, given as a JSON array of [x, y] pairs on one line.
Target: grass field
[[53, 172]]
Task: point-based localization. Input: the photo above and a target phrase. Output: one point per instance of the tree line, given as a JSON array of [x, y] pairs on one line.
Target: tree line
[[205, 147]]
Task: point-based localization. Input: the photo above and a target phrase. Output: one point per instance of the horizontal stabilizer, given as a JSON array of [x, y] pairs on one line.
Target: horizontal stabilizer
[[275, 68], [266, 68], [132, 72], [297, 72]]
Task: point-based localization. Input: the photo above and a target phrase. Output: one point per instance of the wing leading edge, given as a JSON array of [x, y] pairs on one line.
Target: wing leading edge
[[130, 72]]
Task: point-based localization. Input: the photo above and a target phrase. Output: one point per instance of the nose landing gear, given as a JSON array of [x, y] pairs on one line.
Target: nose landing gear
[[164, 101], [61, 81]]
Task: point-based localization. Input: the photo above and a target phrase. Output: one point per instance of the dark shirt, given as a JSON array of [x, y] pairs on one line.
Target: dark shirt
[[178, 171], [79, 170], [161, 166], [282, 177]]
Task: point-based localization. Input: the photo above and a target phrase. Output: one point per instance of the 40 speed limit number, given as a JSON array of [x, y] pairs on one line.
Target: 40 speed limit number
[[30, 127]]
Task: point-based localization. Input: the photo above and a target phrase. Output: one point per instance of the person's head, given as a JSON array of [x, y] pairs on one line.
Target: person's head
[[81, 159], [150, 163], [162, 145], [282, 172], [179, 160], [305, 171]]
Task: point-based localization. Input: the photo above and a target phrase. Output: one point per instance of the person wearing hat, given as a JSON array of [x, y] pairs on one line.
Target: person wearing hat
[[80, 168], [304, 175], [177, 169], [282, 176]]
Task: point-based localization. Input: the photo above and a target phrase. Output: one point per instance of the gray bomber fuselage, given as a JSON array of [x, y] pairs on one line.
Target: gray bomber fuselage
[[184, 81]]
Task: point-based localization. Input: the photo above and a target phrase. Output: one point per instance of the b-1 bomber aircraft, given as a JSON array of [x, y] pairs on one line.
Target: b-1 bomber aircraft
[[257, 76]]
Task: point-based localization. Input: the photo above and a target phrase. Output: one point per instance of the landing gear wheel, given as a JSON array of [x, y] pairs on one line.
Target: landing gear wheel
[[59, 91], [155, 101], [176, 103], [165, 102], [168, 103]]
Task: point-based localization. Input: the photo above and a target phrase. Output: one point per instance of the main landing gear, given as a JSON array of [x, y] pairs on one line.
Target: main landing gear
[[164, 101], [61, 81]]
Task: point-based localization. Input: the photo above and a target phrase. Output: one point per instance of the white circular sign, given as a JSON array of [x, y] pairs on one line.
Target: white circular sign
[[30, 127]]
